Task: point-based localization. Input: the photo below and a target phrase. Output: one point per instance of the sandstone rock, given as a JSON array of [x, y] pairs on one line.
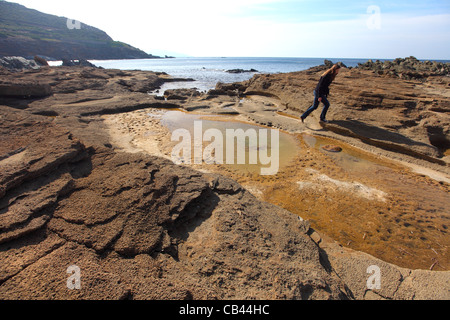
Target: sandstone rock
[[389, 113], [395, 283], [24, 89], [150, 83], [181, 94], [229, 89], [141, 227], [75, 91]]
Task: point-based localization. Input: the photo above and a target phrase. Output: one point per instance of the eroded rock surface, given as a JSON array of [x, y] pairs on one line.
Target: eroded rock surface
[[140, 227], [409, 117]]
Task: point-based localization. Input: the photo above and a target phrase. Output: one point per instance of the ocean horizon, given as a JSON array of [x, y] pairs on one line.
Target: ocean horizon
[[208, 71]]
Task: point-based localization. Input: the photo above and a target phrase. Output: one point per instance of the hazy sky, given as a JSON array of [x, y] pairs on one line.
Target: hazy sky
[[268, 28]]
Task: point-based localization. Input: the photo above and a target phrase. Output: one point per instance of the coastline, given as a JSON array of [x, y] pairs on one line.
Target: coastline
[[115, 116]]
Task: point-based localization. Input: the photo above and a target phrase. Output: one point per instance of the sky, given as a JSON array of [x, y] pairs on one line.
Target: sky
[[378, 29]]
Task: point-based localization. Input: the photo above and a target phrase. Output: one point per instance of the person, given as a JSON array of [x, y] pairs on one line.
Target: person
[[321, 93]]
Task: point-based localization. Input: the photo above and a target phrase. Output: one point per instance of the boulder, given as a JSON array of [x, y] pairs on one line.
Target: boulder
[[41, 61], [328, 63], [77, 63], [18, 63]]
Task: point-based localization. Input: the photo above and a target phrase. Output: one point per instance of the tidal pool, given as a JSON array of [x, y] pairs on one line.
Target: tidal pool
[[348, 158], [356, 198], [368, 203], [258, 147]]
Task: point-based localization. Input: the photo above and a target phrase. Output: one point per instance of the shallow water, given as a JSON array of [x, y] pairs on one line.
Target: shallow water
[[348, 158], [286, 149], [356, 198], [369, 204]]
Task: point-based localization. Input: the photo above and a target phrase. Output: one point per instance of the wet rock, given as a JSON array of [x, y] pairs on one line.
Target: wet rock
[[241, 71], [332, 148]]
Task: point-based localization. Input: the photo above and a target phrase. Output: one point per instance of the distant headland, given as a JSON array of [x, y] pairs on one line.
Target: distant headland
[[27, 33]]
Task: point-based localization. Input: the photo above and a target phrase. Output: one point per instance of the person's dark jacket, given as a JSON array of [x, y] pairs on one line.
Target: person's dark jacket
[[323, 87]]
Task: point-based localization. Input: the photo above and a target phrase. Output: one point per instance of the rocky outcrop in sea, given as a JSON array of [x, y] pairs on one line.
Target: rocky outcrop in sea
[[407, 68]]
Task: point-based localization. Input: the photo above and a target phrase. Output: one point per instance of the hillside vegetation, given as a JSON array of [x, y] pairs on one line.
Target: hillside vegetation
[[26, 32]]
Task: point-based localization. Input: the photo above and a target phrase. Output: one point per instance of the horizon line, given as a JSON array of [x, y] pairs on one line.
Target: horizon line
[[289, 57]]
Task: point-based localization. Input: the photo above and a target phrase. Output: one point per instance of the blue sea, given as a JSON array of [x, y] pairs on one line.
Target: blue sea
[[208, 71]]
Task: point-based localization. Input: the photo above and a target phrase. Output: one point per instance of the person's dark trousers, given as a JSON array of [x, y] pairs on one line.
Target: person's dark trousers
[[326, 105]]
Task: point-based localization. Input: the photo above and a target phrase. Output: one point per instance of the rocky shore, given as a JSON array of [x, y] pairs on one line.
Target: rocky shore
[[85, 182], [408, 68], [408, 117]]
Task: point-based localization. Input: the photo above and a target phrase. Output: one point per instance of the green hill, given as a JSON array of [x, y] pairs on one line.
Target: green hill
[[27, 32]]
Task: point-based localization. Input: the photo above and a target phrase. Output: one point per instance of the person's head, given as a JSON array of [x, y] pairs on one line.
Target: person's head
[[334, 70]]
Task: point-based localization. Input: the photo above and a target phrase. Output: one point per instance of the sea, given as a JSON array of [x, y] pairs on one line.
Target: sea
[[207, 72]]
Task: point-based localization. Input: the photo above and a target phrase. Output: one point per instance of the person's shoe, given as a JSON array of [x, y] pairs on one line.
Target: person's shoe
[[323, 120], [303, 119]]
